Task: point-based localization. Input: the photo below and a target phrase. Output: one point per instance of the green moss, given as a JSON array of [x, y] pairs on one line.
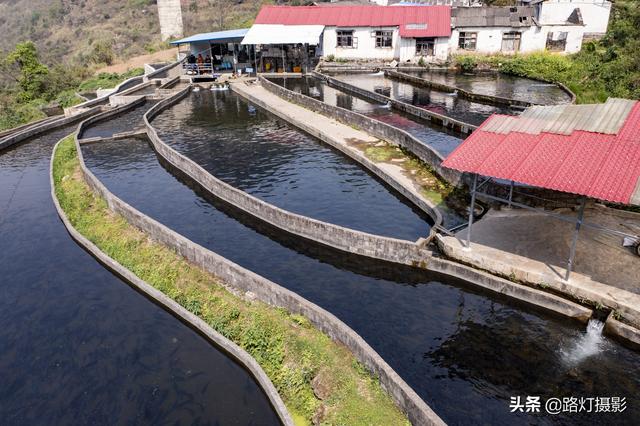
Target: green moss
[[290, 350]]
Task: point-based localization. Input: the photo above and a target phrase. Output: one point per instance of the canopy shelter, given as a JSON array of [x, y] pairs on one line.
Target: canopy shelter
[[589, 150], [222, 48], [283, 34], [285, 47]]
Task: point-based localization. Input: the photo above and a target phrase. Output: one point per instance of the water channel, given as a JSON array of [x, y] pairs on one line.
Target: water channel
[[499, 84], [440, 102], [254, 152], [439, 138], [466, 353], [79, 346]]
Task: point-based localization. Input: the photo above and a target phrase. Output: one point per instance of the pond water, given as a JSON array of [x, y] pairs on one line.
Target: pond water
[[440, 102], [79, 346], [464, 352], [127, 121], [439, 138], [499, 84], [252, 151]]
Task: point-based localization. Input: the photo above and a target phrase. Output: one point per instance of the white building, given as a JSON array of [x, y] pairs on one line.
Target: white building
[[405, 33], [516, 29], [595, 13]]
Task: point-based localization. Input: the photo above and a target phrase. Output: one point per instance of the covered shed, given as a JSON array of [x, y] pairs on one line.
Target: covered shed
[[223, 48], [592, 151]]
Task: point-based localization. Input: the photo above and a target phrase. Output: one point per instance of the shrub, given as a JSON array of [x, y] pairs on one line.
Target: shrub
[[466, 63]]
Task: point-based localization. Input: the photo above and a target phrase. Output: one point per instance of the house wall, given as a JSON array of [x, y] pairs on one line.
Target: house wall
[[595, 13], [407, 50], [489, 40], [366, 47], [403, 49]]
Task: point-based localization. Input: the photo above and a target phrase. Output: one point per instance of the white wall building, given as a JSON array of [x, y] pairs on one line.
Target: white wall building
[[383, 43], [595, 13], [403, 33], [510, 30]]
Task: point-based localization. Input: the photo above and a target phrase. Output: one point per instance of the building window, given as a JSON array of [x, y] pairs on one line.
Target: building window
[[467, 41], [346, 38], [557, 41], [511, 41], [384, 38], [425, 46]]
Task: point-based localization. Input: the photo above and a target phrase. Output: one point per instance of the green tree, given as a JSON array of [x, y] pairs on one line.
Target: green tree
[[32, 75]]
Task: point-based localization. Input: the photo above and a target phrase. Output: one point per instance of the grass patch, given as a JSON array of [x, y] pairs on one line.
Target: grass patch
[[296, 356], [432, 186]]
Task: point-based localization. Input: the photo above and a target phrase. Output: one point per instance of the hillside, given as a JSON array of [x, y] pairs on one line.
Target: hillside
[[95, 31]]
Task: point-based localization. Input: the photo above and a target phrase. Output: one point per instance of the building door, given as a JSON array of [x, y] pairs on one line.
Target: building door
[[511, 42], [425, 46]]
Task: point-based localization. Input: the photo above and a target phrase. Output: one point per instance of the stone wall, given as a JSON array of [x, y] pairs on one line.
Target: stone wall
[[338, 237]]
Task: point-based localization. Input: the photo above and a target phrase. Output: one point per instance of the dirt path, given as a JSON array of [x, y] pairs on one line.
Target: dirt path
[[139, 61]]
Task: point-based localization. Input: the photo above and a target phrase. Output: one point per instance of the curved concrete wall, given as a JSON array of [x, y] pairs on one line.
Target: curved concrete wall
[[341, 238], [267, 291], [193, 321], [436, 118], [131, 82], [172, 70], [472, 96], [273, 294], [25, 126], [372, 126], [109, 114], [44, 126]]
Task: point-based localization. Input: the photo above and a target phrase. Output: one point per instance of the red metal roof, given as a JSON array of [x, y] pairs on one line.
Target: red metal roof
[[598, 165], [410, 19]]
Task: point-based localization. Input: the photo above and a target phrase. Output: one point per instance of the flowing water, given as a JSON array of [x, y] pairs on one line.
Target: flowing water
[[441, 139], [465, 353], [440, 102], [502, 85], [260, 155], [78, 345]]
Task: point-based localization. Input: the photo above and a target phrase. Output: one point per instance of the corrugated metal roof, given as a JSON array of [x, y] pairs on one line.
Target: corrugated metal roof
[[436, 18], [215, 36], [605, 118], [591, 150], [513, 16]]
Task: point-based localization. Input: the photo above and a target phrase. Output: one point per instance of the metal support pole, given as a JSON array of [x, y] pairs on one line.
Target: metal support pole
[[510, 193], [284, 68], [255, 59], [473, 206], [574, 242]]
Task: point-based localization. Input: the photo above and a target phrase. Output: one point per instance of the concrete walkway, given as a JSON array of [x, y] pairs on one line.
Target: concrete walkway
[[533, 248]]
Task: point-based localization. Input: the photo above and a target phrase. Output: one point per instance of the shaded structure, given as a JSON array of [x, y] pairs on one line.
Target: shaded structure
[[592, 151], [221, 51]]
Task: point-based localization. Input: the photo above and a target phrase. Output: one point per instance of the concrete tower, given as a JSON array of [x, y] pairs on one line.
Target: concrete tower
[[170, 15]]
